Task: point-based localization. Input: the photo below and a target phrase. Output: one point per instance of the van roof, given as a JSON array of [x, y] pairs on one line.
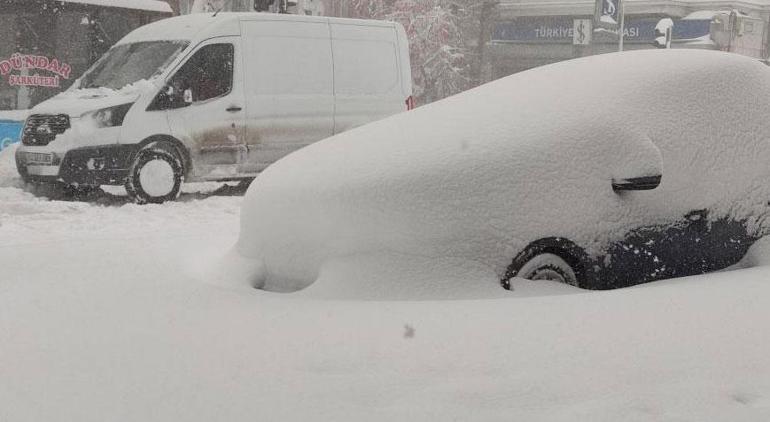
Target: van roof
[[199, 26]]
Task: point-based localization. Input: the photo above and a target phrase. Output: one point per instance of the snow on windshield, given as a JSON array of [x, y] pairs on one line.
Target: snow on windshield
[[129, 63]]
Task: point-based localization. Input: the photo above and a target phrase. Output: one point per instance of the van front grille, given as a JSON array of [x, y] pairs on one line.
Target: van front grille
[[41, 129]]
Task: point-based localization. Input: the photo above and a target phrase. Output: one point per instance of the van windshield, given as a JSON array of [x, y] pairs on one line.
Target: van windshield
[[129, 63]]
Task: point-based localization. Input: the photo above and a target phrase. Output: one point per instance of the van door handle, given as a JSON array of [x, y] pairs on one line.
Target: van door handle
[[233, 109]]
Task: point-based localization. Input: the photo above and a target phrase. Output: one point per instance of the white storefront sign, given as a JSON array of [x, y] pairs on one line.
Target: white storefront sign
[[581, 32]]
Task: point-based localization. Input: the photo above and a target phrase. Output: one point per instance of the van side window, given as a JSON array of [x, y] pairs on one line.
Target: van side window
[[208, 74]]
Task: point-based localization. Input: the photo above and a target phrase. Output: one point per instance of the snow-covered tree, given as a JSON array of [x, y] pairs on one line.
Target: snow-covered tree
[[441, 59]]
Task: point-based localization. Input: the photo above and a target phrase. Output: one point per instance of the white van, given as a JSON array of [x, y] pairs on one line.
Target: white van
[[215, 97]]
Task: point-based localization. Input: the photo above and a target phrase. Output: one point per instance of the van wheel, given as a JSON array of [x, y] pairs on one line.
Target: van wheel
[[155, 177], [548, 266]]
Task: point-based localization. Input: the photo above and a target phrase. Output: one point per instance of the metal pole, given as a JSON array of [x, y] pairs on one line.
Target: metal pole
[[622, 24]]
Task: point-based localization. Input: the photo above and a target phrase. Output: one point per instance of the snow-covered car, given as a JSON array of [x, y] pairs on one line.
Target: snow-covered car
[[215, 97], [600, 172]]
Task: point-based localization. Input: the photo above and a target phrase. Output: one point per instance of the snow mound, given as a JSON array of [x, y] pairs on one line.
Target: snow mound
[[757, 255], [113, 330], [402, 277], [9, 175], [479, 176]]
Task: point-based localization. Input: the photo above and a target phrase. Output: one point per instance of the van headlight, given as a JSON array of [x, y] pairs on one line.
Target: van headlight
[[109, 117]]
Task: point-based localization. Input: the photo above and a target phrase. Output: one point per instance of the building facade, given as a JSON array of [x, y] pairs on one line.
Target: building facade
[[48, 44], [530, 33], [301, 7]]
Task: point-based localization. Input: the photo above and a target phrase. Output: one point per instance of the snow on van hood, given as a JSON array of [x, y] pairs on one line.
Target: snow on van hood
[[474, 178], [79, 104], [76, 102]]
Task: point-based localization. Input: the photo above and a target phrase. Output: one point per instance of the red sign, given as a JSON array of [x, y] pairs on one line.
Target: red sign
[[13, 66]]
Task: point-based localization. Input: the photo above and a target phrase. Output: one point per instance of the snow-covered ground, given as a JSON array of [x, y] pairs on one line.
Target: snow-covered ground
[[112, 311]]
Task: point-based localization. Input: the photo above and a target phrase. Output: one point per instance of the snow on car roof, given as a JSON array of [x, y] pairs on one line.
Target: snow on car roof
[[149, 5]]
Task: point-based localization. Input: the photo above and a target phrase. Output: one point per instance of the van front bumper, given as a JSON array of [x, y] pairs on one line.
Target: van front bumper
[[100, 165]]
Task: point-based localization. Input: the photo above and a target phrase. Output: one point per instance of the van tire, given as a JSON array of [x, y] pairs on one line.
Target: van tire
[[161, 172]]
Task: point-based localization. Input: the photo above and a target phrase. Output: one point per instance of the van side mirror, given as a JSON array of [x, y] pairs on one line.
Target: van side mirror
[[169, 98]]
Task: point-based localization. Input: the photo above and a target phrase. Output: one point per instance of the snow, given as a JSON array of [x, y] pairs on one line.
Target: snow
[[473, 179], [134, 89], [148, 343], [113, 311], [699, 42], [157, 178], [29, 219], [149, 5], [81, 104], [9, 176], [77, 101], [703, 14], [664, 25], [15, 115]]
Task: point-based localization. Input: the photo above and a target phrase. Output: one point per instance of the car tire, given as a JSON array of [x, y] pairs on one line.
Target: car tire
[[155, 177], [548, 266]]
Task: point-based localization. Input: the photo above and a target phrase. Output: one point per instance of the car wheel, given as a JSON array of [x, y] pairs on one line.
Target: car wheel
[[548, 266], [155, 177]]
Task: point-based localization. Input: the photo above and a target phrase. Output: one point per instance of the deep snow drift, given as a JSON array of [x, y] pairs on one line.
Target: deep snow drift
[[108, 312]]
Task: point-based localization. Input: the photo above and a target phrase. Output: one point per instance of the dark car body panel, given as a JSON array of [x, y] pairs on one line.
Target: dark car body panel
[[694, 245]]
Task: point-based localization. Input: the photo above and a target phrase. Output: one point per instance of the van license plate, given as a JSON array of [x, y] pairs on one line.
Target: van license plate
[[39, 158]]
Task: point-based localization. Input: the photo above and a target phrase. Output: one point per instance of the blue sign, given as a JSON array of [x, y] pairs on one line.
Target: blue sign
[[10, 132], [608, 13], [560, 30]]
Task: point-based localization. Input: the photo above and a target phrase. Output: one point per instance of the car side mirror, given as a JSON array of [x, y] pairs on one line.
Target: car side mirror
[[637, 183], [639, 165]]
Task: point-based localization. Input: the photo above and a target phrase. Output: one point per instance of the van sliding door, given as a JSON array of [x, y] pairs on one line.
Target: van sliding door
[[211, 119], [367, 75], [288, 85]]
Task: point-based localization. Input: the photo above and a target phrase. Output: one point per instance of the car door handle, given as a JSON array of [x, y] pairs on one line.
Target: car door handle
[[233, 109]]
